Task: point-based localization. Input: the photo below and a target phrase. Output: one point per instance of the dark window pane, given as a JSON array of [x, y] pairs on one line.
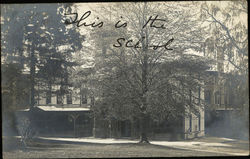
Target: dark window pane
[[69, 99], [48, 98], [190, 123], [199, 122], [58, 99], [84, 99]]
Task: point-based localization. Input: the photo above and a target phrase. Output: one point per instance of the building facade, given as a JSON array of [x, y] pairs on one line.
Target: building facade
[[223, 111], [62, 114]]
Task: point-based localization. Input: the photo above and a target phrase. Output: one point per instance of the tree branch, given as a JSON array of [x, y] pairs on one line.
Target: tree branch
[[227, 31]]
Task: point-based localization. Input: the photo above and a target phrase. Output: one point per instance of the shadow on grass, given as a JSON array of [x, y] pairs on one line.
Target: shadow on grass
[[168, 147], [38, 144], [59, 143], [11, 143], [233, 141]]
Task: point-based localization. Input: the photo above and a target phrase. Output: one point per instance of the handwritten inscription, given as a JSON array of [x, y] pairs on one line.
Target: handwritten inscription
[[129, 43], [152, 21], [119, 25], [81, 21]]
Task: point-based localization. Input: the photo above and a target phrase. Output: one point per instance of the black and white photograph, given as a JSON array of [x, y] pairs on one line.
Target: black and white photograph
[[124, 79]]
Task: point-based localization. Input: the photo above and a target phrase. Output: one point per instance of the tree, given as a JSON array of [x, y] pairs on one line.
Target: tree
[[231, 39], [230, 31], [25, 130], [31, 41], [146, 82], [41, 35], [227, 33], [15, 95]]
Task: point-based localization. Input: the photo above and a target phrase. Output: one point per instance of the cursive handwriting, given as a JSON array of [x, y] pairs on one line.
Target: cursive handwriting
[[129, 43], [152, 22], [118, 25], [83, 17]]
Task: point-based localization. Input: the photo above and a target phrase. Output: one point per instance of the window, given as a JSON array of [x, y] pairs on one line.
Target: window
[[199, 95], [208, 97], [69, 98], [92, 100], [190, 122], [48, 98], [58, 99], [217, 98], [226, 99], [231, 99], [84, 99], [199, 122], [199, 92]]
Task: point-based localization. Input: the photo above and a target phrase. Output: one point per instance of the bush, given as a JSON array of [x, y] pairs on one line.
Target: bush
[[25, 130]]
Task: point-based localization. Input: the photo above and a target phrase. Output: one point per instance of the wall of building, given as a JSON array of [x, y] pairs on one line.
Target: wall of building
[[174, 129], [194, 125], [75, 97], [58, 123], [222, 114]]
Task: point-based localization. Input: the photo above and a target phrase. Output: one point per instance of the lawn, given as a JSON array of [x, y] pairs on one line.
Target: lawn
[[66, 149]]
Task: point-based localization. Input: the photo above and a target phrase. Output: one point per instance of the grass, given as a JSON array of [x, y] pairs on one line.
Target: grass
[[68, 149]]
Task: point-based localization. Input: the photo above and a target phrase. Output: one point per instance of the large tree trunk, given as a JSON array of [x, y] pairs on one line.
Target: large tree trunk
[[94, 126], [143, 129], [143, 120], [32, 76]]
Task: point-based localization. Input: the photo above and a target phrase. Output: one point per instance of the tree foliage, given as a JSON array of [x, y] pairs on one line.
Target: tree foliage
[[36, 37], [32, 37], [228, 36], [228, 27], [137, 83]]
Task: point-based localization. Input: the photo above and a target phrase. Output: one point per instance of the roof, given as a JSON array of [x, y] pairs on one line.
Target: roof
[[54, 108]]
